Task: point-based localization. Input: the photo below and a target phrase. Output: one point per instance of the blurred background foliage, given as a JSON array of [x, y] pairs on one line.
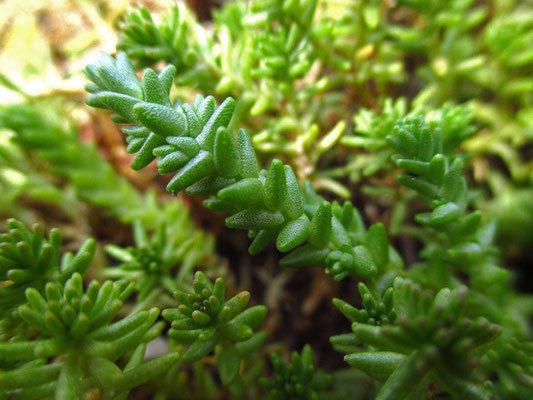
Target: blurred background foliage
[[64, 164]]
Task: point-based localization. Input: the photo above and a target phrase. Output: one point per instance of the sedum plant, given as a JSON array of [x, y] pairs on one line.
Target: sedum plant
[[91, 355], [298, 379], [206, 321], [208, 160], [77, 325], [153, 262], [454, 123], [432, 341], [29, 260], [50, 139], [62, 341], [67, 324], [275, 46], [256, 114], [289, 64], [409, 337], [54, 144]]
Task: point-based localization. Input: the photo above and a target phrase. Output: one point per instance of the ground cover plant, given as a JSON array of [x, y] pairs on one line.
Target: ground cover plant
[[327, 200]]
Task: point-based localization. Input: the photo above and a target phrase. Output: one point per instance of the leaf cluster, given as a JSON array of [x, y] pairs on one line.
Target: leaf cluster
[[433, 336], [29, 260], [71, 342], [206, 321], [72, 325], [299, 379], [195, 142]]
